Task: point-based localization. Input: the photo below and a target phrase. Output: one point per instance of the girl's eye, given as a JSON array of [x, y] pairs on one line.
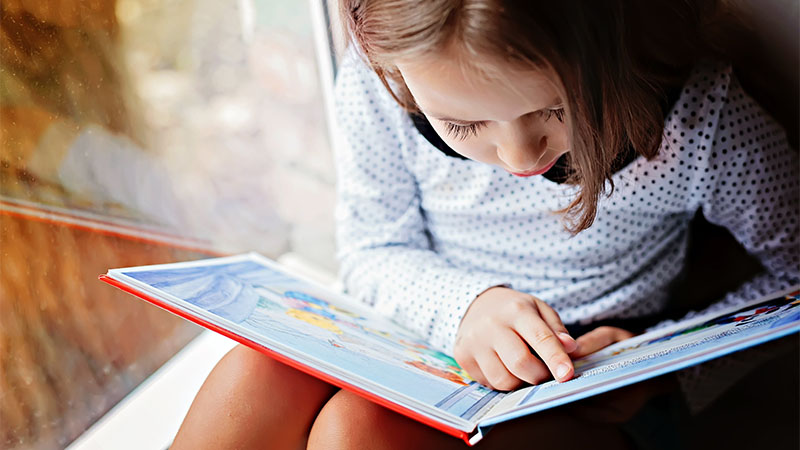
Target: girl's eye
[[462, 132], [557, 112]]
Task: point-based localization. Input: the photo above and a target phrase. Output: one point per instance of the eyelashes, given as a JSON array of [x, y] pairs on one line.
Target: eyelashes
[[557, 112], [462, 132]]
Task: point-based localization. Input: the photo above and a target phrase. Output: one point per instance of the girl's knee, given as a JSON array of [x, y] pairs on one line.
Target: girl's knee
[[249, 399], [258, 372], [348, 421], [245, 362]]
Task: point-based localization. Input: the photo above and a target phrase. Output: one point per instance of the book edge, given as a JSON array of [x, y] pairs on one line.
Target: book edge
[[463, 435], [512, 414]]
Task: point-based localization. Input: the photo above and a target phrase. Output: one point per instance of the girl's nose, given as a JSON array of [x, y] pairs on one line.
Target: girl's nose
[[523, 155]]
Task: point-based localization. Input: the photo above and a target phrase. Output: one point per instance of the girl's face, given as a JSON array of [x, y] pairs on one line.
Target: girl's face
[[516, 124]]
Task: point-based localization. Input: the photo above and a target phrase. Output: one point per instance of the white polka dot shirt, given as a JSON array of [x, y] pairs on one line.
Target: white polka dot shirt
[[421, 234]]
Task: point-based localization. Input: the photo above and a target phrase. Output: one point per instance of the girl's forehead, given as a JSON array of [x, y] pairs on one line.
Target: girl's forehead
[[448, 87]]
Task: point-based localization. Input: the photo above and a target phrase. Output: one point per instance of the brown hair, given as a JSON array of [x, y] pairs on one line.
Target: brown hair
[[615, 59]]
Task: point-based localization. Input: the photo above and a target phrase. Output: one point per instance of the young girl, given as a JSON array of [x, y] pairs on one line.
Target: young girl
[[513, 167]]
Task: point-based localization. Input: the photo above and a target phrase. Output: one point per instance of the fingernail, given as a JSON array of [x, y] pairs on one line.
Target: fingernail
[[566, 336], [562, 371]]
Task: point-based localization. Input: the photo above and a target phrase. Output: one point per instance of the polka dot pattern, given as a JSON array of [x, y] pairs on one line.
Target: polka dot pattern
[[421, 234]]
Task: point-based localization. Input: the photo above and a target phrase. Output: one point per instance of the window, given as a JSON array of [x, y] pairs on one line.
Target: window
[[141, 132]]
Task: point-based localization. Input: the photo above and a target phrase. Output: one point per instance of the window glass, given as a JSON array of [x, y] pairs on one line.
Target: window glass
[[140, 132]]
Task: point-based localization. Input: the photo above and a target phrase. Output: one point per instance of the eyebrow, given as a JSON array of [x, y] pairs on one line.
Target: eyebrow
[[444, 118], [457, 121], [557, 101]]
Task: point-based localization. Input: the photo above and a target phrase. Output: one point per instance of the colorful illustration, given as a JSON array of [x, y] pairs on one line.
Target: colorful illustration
[[252, 298], [446, 374], [785, 306], [265, 300], [738, 318], [436, 362]]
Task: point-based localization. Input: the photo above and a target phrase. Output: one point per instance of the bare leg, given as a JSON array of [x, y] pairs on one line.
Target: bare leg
[[252, 401], [347, 421]]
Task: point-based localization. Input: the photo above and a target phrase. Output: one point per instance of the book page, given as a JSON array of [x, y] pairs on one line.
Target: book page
[[254, 298], [658, 352]]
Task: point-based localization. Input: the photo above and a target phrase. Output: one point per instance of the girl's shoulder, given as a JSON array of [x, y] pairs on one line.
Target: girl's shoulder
[[357, 83], [715, 137], [705, 88], [710, 98], [713, 109], [371, 121], [362, 101]]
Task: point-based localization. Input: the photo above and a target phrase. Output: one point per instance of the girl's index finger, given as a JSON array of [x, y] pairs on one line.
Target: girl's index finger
[[544, 341], [552, 319]]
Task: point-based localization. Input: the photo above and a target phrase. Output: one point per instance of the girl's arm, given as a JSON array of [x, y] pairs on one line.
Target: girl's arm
[[750, 185], [386, 256], [388, 260]]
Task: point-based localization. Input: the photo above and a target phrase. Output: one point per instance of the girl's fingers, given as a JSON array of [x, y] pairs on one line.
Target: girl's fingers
[[552, 319], [598, 339], [537, 333], [495, 372], [518, 359], [474, 370]]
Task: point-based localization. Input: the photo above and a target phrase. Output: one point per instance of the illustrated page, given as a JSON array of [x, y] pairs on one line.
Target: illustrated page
[[252, 293]]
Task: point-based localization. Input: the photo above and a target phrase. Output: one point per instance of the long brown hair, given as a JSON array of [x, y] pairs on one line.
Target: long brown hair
[[615, 59]]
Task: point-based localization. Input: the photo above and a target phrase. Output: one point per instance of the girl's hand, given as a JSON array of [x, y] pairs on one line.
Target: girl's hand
[[598, 339], [497, 333]]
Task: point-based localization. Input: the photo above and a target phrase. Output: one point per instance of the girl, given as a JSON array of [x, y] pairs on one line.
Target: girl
[[512, 167]]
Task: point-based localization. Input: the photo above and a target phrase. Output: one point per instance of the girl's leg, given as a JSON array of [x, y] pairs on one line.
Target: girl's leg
[[252, 401], [347, 421]]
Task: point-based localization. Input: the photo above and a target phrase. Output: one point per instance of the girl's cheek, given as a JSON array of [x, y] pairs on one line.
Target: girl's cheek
[[560, 135], [477, 148], [474, 148]]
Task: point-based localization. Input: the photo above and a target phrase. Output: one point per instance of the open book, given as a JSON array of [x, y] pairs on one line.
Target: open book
[[259, 304]]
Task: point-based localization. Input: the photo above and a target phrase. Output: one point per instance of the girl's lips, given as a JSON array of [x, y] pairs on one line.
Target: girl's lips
[[536, 172]]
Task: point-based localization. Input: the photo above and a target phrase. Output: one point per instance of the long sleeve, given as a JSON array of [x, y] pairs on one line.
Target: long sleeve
[[752, 189], [387, 259], [747, 182]]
